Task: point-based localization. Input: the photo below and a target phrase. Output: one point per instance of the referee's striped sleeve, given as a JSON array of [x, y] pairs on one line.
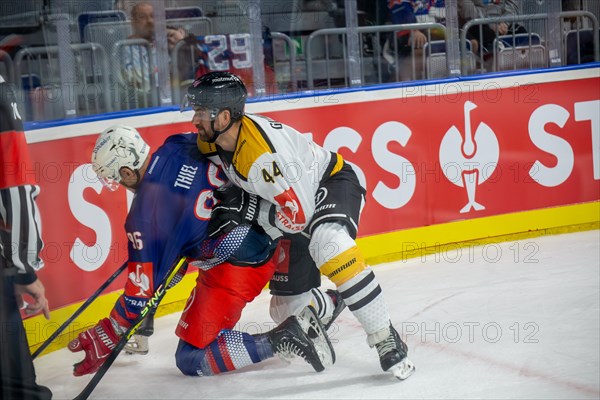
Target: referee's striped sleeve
[[21, 234]]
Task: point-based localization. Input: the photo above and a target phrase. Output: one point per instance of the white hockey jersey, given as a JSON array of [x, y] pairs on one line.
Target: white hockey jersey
[[280, 165]]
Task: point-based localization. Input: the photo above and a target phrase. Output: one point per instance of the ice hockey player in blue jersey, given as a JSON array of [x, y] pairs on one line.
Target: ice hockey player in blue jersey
[[168, 219]]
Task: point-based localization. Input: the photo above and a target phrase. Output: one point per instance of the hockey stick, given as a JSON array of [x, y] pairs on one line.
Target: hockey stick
[[79, 310], [154, 301]]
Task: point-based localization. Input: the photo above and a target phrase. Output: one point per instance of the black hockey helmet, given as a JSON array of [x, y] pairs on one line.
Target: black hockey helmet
[[219, 91]]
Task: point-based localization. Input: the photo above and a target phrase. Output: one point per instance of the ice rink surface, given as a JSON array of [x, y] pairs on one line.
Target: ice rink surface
[[513, 320]]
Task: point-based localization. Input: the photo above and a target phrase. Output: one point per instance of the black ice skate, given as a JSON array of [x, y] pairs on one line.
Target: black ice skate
[[302, 336], [393, 355], [317, 333], [339, 306]]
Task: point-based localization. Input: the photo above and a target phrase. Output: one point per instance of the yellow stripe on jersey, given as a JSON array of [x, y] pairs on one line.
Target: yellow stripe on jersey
[[344, 267], [251, 144], [208, 149], [339, 163]]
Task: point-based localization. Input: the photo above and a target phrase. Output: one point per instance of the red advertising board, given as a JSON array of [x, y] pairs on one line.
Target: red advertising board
[[433, 159], [425, 160]]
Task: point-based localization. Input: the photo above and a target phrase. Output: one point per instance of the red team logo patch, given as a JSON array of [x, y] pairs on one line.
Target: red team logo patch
[[291, 210], [139, 283]]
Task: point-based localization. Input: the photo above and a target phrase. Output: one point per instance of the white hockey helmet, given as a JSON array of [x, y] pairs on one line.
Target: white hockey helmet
[[117, 147]]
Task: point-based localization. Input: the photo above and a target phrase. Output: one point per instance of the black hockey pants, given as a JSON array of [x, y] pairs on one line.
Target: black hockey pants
[[17, 374]]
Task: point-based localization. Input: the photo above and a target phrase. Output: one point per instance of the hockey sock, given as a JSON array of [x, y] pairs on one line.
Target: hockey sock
[[362, 294], [359, 289], [338, 258], [229, 351], [323, 304], [283, 306]]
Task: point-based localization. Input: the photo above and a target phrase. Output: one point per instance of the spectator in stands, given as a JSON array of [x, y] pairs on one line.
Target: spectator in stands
[[142, 22], [472, 9], [409, 43], [137, 60], [405, 12]]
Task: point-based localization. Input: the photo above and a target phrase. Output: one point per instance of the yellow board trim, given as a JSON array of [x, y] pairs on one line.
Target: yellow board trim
[[416, 242], [376, 249], [344, 267], [38, 329]]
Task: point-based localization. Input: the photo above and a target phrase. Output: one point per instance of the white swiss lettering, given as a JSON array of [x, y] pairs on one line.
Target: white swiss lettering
[[393, 198], [590, 111], [555, 145], [88, 258]]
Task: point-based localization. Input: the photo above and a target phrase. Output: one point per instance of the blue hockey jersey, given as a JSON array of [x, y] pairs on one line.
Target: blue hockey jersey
[[168, 219], [171, 208]]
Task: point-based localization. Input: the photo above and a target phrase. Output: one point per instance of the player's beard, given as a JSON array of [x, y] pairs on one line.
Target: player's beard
[[203, 136]]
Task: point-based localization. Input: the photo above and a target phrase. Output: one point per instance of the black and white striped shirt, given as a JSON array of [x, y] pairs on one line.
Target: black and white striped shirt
[[20, 226], [20, 233]]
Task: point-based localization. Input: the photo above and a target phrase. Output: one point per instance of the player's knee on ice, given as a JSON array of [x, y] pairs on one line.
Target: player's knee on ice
[[229, 351], [282, 307], [188, 359]]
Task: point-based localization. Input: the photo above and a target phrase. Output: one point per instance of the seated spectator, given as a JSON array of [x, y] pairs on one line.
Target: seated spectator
[[409, 42], [136, 60], [193, 60], [472, 9], [406, 12]]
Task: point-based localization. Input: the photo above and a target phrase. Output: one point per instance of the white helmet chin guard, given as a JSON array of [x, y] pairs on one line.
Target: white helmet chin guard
[[117, 147]]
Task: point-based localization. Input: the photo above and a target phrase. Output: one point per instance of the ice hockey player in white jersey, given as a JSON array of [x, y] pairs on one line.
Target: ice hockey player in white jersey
[[294, 186]]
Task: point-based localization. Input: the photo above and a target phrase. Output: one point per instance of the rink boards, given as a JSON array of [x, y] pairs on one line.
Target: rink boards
[[443, 163]]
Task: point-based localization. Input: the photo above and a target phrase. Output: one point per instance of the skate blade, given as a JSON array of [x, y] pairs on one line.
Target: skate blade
[[286, 357], [310, 323], [403, 369], [136, 352]]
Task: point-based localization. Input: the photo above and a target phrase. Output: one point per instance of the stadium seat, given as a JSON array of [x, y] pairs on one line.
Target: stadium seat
[[521, 51], [107, 33], [434, 59], [183, 12], [86, 18], [578, 46]]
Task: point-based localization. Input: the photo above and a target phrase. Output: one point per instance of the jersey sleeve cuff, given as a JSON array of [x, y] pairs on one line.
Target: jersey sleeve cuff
[[25, 279]]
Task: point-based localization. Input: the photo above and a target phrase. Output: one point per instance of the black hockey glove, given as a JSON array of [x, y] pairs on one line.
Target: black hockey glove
[[235, 207]]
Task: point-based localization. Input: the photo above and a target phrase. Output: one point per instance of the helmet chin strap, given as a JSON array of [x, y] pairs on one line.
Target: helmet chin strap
[[139, 179], [216, 133], [135, 185]]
